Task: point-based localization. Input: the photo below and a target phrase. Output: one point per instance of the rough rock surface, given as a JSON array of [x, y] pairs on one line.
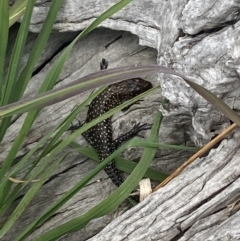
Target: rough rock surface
[[197, 38]]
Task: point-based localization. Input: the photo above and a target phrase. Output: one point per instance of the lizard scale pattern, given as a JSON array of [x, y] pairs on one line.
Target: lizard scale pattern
[[100, 135]]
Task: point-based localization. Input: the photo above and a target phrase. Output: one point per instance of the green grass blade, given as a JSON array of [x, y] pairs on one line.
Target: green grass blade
[[47, 84], [115, 8], [94, 81], [16, 11], [79, 185], [17, 167], [85, 127], [13, 94], [21, 165], [47, 214], [3, 40], [59, 63], [66, 123], [121, 163], [17, 144], [114, 199], [144, 143], [6, 185], [88, 151], [54, 96], [59, 127], [37, 48], [17, 55], [128, 166], [108, 114], [52, 13], [215, 101], [14, 64], [28, 197]]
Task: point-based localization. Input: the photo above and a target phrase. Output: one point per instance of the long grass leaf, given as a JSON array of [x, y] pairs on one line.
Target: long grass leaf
[[13, 94], [69, 91], [17, 54], [79, 185], [14, 64], [128, 166], [79, 86], [37, 48], [61, 60], [59, 63], [215, 101], [12, 73], [22, 164], [16, 11], [28, 197], [86, 126], [3, 39], [35, 54], [18, 166], [51, 210], [121, 163], [114, 199]]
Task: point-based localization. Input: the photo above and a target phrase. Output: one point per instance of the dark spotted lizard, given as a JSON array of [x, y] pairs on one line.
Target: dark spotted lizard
[[100, 135]]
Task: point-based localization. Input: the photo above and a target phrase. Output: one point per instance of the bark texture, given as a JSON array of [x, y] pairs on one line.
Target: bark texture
[[197, 38], [202, 203]]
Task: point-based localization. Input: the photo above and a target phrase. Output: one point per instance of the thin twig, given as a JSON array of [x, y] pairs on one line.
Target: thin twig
[[196, 155], [22, 181]]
